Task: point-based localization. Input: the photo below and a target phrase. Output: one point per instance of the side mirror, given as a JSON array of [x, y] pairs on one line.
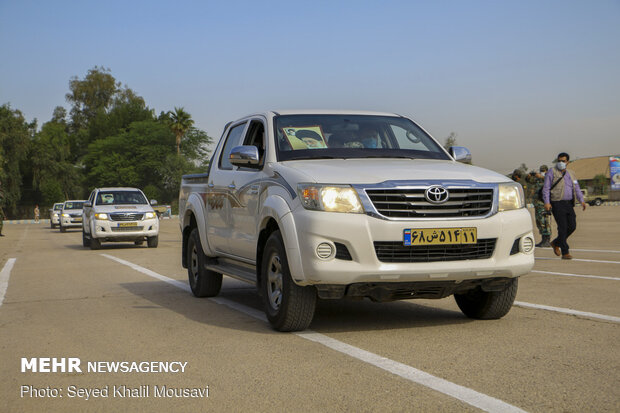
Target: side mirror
[[460, 154], [245, 155], [88, 204], [153, 202]]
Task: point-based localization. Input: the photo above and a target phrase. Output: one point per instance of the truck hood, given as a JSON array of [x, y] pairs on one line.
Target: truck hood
[[375, 170], [123, 208]]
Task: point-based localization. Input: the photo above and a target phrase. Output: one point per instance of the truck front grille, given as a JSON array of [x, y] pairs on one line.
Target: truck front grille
[[126, 229], [395, 251], [126, 216], [411, 203]]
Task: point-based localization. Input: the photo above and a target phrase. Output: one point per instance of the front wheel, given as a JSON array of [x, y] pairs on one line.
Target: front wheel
[[203, 282], [152, 242], [85, 239], [62, 229], [598, 202], [289, 307], [487, 305]]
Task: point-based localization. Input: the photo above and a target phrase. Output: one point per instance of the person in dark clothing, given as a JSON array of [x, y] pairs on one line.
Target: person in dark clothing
[[560, 191]]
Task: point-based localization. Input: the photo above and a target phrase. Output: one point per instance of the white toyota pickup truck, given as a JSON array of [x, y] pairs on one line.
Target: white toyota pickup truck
[[334, 204], [117, 215]]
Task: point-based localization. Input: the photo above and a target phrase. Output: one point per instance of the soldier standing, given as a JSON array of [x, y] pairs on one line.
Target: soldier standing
[[543, 217]]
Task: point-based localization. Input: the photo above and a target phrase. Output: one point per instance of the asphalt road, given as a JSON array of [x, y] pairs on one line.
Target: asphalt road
[[129, 303]]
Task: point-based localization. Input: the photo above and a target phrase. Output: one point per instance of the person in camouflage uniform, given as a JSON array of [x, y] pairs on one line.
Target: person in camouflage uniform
[[2, 216], [543, 218]]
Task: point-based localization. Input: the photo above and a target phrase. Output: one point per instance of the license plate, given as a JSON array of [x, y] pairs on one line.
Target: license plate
[[439, 236], [127, 224]]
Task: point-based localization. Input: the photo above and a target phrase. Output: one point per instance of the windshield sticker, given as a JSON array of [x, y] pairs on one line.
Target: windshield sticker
[[305, 137]]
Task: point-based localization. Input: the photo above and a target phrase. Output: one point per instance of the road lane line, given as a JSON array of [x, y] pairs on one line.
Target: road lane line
[[464, 394], [4, 277], [583, 250], [580, 259], [577, 275], [568, 311]]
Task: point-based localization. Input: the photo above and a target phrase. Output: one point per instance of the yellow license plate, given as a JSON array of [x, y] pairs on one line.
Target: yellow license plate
[[439, 236], [127, 224]]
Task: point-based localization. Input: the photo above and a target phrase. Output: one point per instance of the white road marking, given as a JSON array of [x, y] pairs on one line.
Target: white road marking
[[582, 250], [4, 277], [464, 394], [580, 259], [568, 311], [577, 275]]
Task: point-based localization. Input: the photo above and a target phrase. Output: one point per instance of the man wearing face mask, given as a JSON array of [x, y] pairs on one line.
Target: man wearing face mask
[[560, 191]]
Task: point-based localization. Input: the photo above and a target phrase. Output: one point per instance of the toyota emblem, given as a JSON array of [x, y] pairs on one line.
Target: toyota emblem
[[436, 194]]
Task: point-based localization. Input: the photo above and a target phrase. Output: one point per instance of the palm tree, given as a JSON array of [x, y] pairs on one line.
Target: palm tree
[[181, 122]]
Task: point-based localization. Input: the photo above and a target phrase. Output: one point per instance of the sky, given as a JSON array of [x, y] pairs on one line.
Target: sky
[[517, 81]]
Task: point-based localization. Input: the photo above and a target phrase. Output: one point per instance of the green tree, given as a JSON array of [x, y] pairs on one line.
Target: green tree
[[91, 95], [15, 139], [600, 184], [450, 141], [180, 123], [53, 172]]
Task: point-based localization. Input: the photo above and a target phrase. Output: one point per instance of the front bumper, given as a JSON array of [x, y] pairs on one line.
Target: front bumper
[[69, 222], [107, 230], [358, 232]]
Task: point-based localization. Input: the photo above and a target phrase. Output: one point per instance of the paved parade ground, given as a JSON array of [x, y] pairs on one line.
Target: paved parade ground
[[556, 351]]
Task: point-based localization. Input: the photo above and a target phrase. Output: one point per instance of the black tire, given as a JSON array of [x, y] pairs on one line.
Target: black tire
[[138, 242], [62, 229], [289, 307], [85, 239], [487, 305], [598, 202], [95, 244], [152, 242], [203, 282]]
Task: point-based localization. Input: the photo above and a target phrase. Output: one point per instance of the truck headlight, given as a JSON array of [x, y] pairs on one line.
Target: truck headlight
[[510, 196], [65, 215], [150, 215], [330, 198], [101, 216]]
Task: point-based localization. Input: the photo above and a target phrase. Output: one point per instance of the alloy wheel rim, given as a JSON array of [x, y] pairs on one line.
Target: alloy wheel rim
[[274, 282], [194, 264]]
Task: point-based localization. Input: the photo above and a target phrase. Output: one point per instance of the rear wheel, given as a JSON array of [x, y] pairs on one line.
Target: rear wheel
[[487, 305], [289, 307], [203, 282]]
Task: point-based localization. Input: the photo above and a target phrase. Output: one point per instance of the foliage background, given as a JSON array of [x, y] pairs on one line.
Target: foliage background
[[108, 137]]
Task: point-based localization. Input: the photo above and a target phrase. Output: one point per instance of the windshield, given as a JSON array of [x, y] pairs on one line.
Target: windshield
[[121, 198], [57, 207], [74, 205], [352, 136]]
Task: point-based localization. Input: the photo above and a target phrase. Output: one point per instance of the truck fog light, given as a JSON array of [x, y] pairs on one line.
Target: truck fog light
[[324, 250], [527, 244]]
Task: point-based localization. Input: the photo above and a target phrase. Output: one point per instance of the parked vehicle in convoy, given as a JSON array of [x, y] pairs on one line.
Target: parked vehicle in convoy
[[71, 215], [333, 204], [55, 212], [594, 199], [119, 215]]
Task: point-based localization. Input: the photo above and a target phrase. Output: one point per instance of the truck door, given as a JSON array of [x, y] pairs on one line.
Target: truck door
[[246, 196], [219, 190]]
